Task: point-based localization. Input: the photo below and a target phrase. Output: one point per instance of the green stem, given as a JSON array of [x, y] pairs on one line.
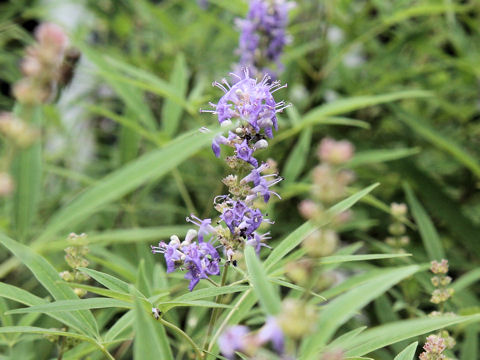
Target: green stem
[[179, 331], [215, 312]]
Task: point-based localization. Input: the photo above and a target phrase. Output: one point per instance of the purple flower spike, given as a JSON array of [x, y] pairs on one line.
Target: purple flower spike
[[271, 332], [263, 35], [232, 340]]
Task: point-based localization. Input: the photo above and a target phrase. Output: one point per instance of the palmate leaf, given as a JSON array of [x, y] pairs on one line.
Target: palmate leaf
[[50, 280], [339, 310]]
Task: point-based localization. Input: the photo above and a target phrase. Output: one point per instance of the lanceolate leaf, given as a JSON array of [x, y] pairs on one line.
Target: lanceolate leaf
[[339, 310], [49, 278], [391, 333], [408, 353], [151, 342]]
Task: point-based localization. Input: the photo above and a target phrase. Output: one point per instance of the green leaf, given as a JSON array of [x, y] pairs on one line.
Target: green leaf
[[391, 333], [142, 282], [298, 156], [297, 236], [72, 305], [269, 298], [341, 309], [345, 338], [37, 330], [148, 167], [429, 235], [424, 129], [167, 305], [350, 104], [27, 175], [211, 292], [101, 291], [380, 156], [172, 111], [50, 280], [348, 258], [151, 342], [408, 353], [120, 326], [111, 282], [469, 348]]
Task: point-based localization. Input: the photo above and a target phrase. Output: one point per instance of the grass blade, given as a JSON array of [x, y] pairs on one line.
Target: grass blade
[[266, 293]]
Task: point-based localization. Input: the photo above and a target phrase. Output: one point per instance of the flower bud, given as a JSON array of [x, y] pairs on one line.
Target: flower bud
[[309, 209], [439, 267], [6, 184], [397, 229], [335, 152], [299, 271], [51, 35], [322, 242], [297, 318], [398, 210]]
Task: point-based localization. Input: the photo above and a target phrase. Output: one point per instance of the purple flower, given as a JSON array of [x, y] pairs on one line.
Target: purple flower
[[251, 102], [261, 184], [232, 340], [271, 332], [204, 226], [245, 153], [199, 259], [257, 241]]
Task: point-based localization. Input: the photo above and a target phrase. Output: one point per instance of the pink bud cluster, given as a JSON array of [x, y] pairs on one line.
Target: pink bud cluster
[[41, 66], [329, 185], [434, 348]]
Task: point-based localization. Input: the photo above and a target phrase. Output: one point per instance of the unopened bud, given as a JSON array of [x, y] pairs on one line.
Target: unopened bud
[[309, 209], [261, 144], [398, 210], [51, 35], [322, 242], [297, 318], [439, 267], [335, 152], [6, 184]]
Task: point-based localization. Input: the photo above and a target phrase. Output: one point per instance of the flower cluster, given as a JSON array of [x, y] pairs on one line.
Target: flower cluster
[[329, 185], [263, 35], [434, 348], [199, 259], [441, 293], [397, 238], [48, 63], [75, 258], [239, 338], [249, 106]]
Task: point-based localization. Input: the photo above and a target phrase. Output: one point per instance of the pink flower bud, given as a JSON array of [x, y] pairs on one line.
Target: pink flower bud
[[335, 152], [51, 35], [6, 184]]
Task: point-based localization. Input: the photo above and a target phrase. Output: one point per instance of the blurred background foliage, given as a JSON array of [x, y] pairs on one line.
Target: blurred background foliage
[[402, 78]]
